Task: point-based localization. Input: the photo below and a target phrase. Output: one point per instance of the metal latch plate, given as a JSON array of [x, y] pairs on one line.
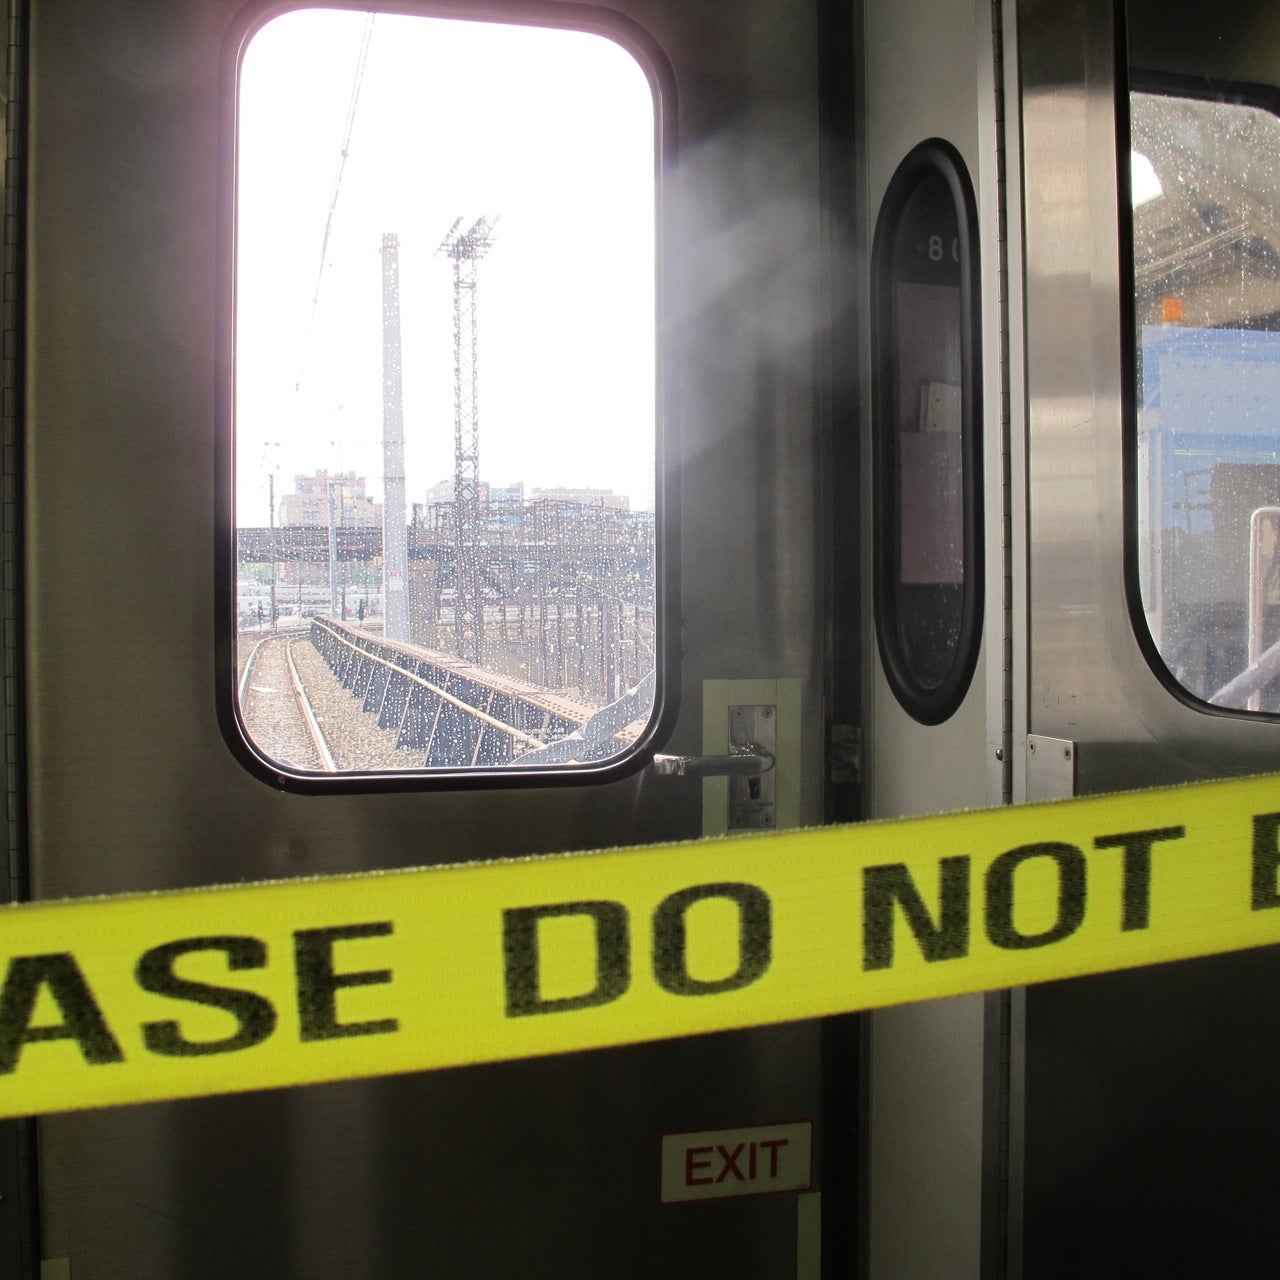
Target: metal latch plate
[[753, 800]]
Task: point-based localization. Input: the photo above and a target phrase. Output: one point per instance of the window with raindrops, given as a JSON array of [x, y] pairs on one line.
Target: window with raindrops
[[445, 401], [1205, 192]]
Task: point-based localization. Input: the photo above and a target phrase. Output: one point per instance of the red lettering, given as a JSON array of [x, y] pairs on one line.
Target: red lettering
[[690, 1164], [773, 1144], [731, 1162]]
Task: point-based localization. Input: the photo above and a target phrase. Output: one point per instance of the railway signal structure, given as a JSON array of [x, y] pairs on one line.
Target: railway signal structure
[[465, 249]]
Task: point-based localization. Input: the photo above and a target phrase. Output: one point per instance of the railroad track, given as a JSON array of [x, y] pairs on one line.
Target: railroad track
[[303, 710], [276, 709]]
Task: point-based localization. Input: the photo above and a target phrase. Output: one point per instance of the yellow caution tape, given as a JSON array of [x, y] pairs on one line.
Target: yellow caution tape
[[171, 995]]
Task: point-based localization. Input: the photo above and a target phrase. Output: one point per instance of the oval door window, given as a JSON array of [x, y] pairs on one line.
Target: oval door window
[[926, 419]]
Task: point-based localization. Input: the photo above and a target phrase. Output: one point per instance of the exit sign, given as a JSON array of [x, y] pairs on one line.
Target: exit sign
[[718, 1163]]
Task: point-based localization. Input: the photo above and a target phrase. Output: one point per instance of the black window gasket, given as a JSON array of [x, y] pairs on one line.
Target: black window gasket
[[554, 14], [929, 704]]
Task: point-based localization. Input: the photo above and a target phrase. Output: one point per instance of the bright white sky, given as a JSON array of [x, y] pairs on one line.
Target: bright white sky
[[551, 130]]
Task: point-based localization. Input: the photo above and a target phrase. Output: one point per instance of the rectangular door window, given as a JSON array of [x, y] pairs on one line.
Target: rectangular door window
[[1205, 185], [445, 491]]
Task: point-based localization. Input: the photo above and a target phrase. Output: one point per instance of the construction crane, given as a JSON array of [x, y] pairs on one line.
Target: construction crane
[[466, 248]]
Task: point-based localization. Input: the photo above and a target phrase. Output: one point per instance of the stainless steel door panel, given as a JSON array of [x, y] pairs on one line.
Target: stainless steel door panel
[[907, 46], [1142, 1145], [933, 71], [546, 1168], [1089, 679]]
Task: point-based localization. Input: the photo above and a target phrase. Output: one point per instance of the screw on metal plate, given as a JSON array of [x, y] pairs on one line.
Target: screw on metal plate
[[999, 753], [1050, 767]]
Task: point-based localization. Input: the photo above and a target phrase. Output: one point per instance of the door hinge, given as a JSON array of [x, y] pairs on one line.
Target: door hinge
[[844, 757]]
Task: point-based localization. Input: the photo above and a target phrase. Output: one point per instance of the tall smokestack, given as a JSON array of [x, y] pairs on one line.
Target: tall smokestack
[[395, 550]]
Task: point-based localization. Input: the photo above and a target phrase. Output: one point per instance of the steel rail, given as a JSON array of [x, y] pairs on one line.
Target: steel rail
[[303, 703], [243, 687], [328, 763]]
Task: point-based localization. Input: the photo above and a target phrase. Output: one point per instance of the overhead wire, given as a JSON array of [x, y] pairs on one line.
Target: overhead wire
[[348, 127]]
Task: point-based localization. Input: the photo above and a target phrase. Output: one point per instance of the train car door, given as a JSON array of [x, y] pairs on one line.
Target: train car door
[[1149, 192], [549, 1168], [1107, 1125], [1118, 1122], [940, 695]]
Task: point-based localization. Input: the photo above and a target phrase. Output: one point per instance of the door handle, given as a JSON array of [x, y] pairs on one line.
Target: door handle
[[742, 762]]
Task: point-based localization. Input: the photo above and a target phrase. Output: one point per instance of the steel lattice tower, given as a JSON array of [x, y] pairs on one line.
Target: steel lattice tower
[[466, 248]]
